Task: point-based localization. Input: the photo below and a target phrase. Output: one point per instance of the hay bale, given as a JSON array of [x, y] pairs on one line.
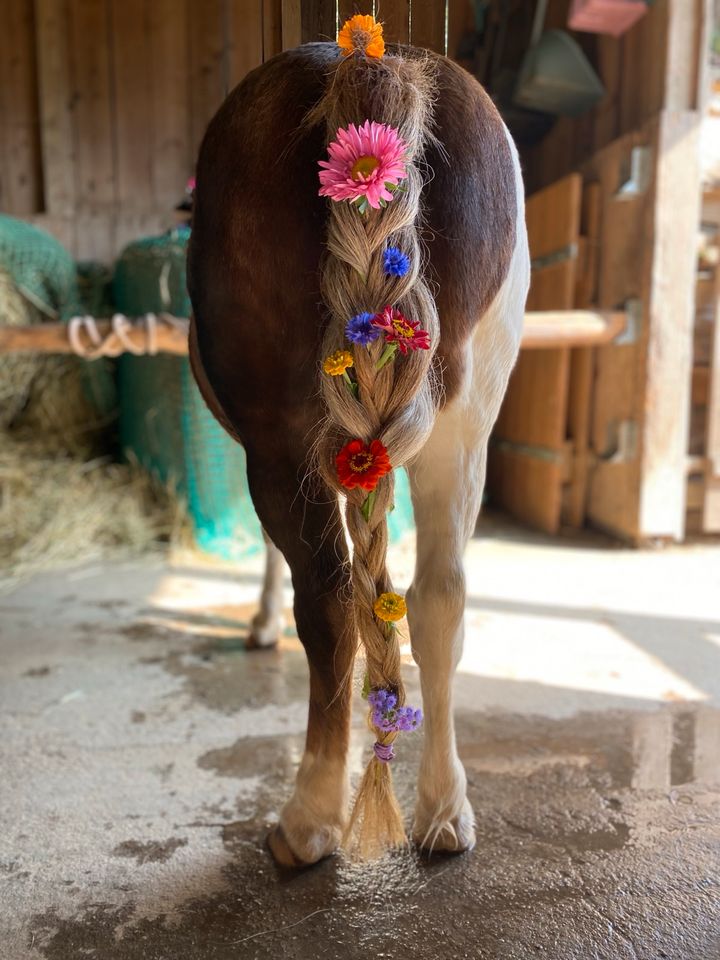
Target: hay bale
[[62, 499], [57, 511]]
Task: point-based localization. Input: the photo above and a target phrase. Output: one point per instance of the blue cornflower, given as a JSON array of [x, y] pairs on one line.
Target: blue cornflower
[[360, 329], [395, 262]]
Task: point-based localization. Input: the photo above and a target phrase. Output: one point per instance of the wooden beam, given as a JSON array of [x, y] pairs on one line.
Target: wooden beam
[[571, 328], [171, 336], [547, 328], [56, 109]]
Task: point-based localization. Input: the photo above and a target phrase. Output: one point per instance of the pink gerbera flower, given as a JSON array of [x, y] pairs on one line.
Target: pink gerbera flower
[[366, 165], [403, 331]]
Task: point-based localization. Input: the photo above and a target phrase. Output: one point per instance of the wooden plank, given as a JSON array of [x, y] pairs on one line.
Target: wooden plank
[[272, 28], [534, 411], [62, 228], [20, 166], [207, 65], [606, 116], [695, 496], [461, 20], [535, 405], [582, 367], [553, 217], [90, 59], [395, 17], [291, 24], [687, 20], [244, 39], [169, 133], [588, 270], [644, 59], [511, 475], [133, 108], [317, 20], [582, 363], [625, 265], [696, 465], [56, 116], [670, 328], [711, 506], [711, 502], [713, 386], [348, 8], [700, 391], [95, 235], [427, 24]]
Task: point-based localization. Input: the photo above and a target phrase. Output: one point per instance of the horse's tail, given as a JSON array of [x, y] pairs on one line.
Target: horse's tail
[[381, 404]]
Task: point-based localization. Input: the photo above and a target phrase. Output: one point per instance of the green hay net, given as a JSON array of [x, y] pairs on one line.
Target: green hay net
[[62, 401], [165, 424]]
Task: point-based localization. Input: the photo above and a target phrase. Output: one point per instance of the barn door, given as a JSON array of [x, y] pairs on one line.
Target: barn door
[[530, 457]]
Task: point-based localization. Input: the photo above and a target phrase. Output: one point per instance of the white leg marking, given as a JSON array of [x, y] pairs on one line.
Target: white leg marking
[[447, 484], [267, 624], [314, 818]]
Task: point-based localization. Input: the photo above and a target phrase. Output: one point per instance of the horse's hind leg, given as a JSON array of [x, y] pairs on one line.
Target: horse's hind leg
[[309, 533], [268, 621], [447, 483]]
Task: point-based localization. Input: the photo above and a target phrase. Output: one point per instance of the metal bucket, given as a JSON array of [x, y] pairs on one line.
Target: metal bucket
[[556, 76]]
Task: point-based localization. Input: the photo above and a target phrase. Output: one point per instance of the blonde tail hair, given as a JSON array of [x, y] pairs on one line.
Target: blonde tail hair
[[396, 404]]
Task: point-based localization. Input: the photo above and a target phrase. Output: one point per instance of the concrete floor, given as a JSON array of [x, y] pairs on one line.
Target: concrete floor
[[144, 754]]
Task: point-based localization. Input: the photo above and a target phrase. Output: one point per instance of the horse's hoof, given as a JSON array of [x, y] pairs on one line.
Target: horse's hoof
[[281, 851], [312, 847], [263, 636], [253, 642], [453, 835]]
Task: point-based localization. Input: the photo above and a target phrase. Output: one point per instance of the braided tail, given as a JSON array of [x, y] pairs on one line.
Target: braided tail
[[383, 396]]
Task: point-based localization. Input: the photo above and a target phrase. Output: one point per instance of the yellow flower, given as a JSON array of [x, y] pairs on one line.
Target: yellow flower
[[390, 607], [337, 363], [361, 32]]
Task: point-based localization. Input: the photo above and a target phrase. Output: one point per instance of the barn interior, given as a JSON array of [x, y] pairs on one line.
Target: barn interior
[[145, 749]]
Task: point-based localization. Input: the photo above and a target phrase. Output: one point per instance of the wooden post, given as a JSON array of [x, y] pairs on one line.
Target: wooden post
[[669, 314], [670, 308]]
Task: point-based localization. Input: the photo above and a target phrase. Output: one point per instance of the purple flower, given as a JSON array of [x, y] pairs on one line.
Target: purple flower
[[395, 262], [360, 329], [388, 717]]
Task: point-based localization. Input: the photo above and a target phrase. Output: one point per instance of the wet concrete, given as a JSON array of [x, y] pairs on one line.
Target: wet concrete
[[145, 753]]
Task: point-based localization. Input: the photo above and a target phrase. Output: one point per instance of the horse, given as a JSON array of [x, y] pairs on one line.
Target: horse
[[276, 274]]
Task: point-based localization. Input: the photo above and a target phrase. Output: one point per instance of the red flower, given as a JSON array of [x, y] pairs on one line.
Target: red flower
[[359, 465], [401, 330]]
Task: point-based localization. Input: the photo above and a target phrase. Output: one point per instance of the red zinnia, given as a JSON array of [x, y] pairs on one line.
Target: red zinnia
[[361, 465], [402, 330]]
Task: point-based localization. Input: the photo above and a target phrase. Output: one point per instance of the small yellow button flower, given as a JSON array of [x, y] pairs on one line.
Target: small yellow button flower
[[390, 607], [337, 363]]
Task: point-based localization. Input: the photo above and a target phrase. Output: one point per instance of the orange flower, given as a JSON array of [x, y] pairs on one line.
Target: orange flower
[[390, 607], [361, 32], [362, 465], [337, 363]]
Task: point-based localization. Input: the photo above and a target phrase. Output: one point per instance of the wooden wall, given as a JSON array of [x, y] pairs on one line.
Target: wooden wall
[[103, 104]]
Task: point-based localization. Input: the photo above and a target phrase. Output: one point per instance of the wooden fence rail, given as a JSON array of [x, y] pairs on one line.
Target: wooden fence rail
[[168, 334]]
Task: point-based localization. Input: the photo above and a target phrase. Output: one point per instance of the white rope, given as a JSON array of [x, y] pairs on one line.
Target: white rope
[[120, 339]]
